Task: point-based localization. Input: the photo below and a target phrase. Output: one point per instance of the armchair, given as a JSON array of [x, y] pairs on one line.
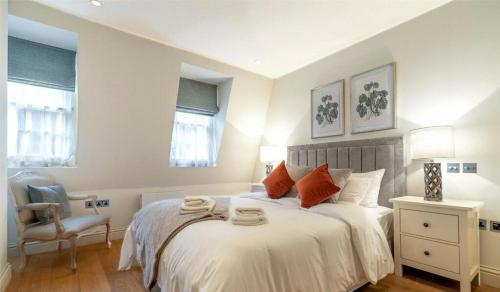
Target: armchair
[[67, 229]]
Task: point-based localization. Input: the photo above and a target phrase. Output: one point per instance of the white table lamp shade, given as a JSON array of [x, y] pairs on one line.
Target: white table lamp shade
[[269, 154], [432, 142]]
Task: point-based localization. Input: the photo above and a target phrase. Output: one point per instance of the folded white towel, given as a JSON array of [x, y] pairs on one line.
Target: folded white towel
[[207, 206], [248, 220], [196, 200], [249, 211]]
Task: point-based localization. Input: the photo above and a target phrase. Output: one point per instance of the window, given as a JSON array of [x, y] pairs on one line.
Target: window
[[193, 137], [41, 105], [193, 140], [40, 126]]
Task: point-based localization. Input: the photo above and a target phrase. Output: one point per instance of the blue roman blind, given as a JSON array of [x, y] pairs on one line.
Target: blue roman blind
[[41, 65], [197, 97]]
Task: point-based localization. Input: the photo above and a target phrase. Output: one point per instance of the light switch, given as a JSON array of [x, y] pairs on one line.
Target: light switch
[[470, 168], [453, 167], [495, 226], [482, 224]]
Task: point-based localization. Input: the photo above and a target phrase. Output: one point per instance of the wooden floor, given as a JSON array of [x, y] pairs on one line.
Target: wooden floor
[[97, 272]]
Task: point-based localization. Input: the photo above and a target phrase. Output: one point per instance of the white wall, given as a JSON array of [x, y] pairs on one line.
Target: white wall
[[223, 95], [4, 267], [127, 91], [448, 72]]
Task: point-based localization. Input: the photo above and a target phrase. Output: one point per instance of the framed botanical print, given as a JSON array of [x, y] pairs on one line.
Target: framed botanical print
[[327, 110], [373, 100]]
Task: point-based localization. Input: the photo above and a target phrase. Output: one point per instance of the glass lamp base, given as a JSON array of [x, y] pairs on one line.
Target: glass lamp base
[[269, 168], [435, 199], [433, 182]]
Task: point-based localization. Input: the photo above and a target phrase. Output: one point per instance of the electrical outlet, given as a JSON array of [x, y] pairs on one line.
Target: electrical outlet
[[98, 203], [102, 203], [495, 226], [483, 224], [453, 167], [470, 168], [105, 203]]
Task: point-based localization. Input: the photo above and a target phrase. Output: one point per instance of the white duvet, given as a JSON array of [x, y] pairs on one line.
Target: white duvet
[[329, 247]]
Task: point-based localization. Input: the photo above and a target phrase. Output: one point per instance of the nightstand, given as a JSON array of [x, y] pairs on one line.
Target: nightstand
[[438, 237], [257, 187]]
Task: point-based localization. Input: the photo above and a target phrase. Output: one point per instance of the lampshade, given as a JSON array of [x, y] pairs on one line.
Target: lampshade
[[269, 154], [432, 142]]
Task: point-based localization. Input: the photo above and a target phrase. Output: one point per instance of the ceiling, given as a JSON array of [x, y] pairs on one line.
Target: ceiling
[[41, 33], [268, 37]]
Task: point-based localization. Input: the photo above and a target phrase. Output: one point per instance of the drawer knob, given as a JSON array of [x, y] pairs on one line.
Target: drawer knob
[[426, 224], [427, 253]]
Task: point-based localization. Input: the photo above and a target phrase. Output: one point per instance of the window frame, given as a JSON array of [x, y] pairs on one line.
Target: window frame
[[210, 162], [74, 162]]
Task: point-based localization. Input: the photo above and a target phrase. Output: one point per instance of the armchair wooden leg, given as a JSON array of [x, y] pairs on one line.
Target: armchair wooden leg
[[72, 243], [108, 229], [59, 245], [22, 254]]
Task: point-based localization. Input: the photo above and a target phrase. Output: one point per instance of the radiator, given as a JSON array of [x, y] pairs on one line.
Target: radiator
[[148, 198]]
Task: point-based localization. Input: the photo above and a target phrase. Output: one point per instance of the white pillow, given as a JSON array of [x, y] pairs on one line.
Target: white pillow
[[296, 173], [365, 188], [340, 177], [371, 198], [355, 190]]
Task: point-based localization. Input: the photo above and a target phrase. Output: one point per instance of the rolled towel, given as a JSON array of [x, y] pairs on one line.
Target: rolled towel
[[249, 211], [207, 206], [249, 220], [196, 200]]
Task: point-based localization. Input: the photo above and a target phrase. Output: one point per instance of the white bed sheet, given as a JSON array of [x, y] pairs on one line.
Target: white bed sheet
[[385, 217], [299, 251]]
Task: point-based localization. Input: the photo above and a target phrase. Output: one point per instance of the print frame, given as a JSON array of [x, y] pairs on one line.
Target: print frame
[[327, 110], [373, 100]]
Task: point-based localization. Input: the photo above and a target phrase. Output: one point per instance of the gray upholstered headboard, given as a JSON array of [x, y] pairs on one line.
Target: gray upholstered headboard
[[361, 156]]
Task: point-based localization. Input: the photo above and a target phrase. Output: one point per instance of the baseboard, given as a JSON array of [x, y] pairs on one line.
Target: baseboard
[[41, 247], [490, 276], [5, 277]]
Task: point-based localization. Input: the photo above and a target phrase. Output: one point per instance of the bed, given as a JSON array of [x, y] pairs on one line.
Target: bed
[[329, 247]]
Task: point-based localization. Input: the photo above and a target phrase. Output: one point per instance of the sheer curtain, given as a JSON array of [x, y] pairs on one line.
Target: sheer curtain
[[193, 140], [41, 126]]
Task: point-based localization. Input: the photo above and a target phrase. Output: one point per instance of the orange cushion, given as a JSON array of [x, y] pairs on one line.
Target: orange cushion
[[278, 182], [316, 187]]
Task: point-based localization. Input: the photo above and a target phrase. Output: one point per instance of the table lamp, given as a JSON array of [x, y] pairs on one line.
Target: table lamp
[[430, 143], [271, 154]]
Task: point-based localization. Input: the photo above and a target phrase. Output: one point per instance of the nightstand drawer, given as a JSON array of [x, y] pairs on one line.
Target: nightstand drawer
[[439, 255], [432, 225]]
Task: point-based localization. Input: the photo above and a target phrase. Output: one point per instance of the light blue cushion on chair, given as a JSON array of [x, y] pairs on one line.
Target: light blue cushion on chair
[[49, 194]]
